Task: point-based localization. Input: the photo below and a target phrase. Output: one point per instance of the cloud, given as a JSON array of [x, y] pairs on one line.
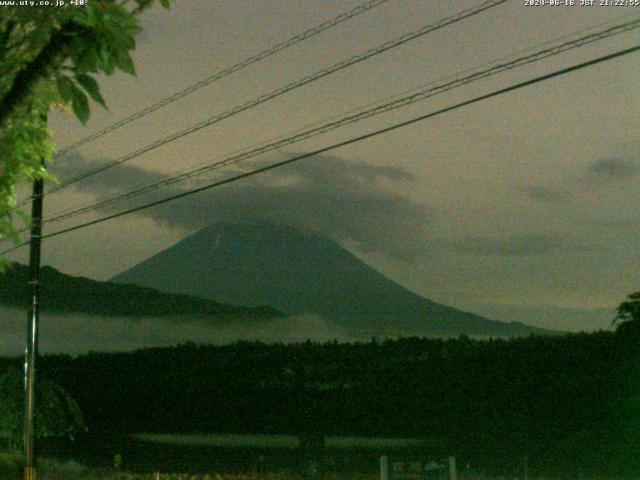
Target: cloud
[[601, 172], [77, 333], [523, 245], [613, 169], [353, 203], [542, 194]]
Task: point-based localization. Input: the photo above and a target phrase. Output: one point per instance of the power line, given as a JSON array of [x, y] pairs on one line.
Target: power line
[[414, 97], [374, 133], [343, 17], [424, 30]]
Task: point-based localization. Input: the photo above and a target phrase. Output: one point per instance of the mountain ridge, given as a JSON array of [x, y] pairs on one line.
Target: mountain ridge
[[70, 294]]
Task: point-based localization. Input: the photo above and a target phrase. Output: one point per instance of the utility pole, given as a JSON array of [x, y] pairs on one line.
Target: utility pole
[[31, 349]]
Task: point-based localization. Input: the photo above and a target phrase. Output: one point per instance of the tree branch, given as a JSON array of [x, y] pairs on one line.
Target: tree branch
[[17, 101]]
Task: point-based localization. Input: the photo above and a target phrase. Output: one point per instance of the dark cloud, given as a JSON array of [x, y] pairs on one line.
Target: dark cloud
[[542, 194], [613, 169], [514, 245], [350, 202], [115, 180]]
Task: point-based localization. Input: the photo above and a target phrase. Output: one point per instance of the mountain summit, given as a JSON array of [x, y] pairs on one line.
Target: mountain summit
[[301, 273]]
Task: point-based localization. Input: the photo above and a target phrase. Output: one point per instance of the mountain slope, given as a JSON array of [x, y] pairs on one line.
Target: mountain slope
[[65, 293], [264, 264]]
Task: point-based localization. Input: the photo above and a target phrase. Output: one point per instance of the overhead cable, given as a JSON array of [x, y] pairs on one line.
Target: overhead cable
[[424, 30], [414, 97], [351, 141], [343, 17]]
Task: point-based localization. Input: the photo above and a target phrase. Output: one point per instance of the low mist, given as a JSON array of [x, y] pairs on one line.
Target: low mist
[[77, 333]]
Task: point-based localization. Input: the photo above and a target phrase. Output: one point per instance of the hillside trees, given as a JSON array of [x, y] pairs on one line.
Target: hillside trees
[[57, 414], [552, 398], [628, 317], [50, 56]]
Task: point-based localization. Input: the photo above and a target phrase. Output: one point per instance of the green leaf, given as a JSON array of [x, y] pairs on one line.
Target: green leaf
[[80, 104], [88, 61], [166, 4], [69, 91], [83, 20], [106, 61], [143, 4], [124, 63], [65, 88], [92, 88]]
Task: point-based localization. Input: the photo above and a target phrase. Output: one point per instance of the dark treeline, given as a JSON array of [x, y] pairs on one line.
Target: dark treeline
[[571, 400]]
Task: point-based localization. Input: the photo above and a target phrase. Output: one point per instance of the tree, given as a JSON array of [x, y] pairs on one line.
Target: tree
[[50, 56], [56, 415], [628, 315]]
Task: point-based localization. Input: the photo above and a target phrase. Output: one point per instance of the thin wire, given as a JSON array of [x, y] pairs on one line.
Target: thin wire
[[343, 17], [416, 96], [426, 29], [374, 133]]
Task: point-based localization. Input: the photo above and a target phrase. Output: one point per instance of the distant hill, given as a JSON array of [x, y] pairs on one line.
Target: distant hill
[[298, 273], [65, 293]]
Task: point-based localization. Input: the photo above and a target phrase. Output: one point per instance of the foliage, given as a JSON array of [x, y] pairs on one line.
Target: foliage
[[56, 414], [11, 464], [50, 56], [629, 314], [561, 400]]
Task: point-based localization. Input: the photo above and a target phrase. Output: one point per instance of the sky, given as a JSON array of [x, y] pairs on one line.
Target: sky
[[525, 204]]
